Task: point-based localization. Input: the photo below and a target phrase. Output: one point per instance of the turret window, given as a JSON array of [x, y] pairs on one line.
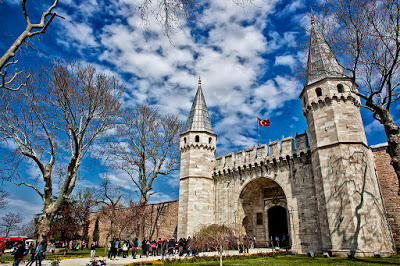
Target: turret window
[[197, 138], [318, 91], [184, 140], [340, 88], [209, 140]]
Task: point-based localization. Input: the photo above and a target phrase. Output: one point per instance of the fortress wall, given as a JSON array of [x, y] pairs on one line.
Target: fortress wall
[[389, 187], [166, 225]]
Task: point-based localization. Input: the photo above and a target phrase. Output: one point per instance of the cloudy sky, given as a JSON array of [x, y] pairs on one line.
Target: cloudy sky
[[246, 55]]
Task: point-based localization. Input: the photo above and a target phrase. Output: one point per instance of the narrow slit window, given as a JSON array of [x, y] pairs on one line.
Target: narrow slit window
[[318, 91], [340, 88], [197, 138], [259, 218]]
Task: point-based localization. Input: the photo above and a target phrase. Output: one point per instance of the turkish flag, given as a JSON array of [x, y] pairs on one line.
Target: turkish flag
[[263, 123]]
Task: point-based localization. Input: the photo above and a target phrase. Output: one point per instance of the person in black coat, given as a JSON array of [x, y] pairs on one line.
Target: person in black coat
[[144, 248], [19, 254]]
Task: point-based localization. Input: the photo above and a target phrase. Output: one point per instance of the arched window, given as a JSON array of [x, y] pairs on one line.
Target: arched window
[[184, 139], [197, 138], [340, 88], [209, 140], [318, 91]]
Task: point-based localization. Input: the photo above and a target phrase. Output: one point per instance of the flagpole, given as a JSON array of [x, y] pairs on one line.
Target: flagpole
[[258, 136]]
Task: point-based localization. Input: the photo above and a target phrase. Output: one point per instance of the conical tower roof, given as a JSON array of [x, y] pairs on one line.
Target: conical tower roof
[[322, 62], [199, 119]]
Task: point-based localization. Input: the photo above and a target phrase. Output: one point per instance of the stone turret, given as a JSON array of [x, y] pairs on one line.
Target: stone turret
[[351, 213], [197, 145]]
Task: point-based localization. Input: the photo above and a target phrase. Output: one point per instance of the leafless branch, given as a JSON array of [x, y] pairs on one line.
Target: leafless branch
[[30, 31]]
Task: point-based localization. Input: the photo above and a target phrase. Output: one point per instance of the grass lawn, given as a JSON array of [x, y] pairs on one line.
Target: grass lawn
[[297, 260]]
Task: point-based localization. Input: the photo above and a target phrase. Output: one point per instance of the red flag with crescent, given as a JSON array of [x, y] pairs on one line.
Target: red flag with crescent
[[263, 123]]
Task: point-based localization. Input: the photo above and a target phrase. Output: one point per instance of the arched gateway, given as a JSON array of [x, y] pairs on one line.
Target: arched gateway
[[266, 214]]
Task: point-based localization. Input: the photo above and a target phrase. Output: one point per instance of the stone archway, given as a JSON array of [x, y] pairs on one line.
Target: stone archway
[[265, 209]]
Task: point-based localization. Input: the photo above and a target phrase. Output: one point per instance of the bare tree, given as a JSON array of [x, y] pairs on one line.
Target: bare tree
[[145, 146], [31, 30], [365, 35], [128, 220], [9, 222], [3, 198], [54, 121], [155, 214], [218, 237], [28, 229], [110, 197]]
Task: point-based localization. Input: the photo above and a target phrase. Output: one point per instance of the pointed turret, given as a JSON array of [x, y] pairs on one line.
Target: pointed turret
[[322, 62], [197, 144], [199, 119]]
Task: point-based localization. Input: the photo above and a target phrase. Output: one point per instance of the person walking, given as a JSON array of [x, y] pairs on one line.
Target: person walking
[[144, 248], [92, 250], [159, 246], [38, 254], [171, 246], [19, 254], [110, 244], [125, 249], [164, 248], [135, 248], [154, 248]]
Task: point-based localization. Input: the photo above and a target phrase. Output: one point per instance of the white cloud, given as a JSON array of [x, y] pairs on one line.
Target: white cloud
[[12, 2], [285, 60], [27, 208], [79, 34], [373, 127], [161, 197], [293, 6]]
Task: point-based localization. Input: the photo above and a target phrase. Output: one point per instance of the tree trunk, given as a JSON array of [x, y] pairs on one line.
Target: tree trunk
[[44, 226], [220, 255], [393, 137]]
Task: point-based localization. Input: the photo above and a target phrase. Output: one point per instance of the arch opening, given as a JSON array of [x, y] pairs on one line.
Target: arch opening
[[278, 226], [265, 210]]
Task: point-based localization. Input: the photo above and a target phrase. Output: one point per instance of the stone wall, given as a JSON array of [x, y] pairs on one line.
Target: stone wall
[[166, 225], [389, 188], [274, 151]]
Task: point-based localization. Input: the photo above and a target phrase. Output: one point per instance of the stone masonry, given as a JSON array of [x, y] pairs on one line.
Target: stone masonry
[[389, 187]]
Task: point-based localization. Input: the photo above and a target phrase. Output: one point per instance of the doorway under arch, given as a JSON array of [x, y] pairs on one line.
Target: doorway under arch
[[278, 225], [264, 205]]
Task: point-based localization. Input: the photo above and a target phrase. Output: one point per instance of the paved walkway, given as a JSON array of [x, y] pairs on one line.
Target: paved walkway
[[122, 261]]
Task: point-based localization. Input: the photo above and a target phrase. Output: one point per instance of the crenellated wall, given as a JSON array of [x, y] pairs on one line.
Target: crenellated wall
[[275, 150]]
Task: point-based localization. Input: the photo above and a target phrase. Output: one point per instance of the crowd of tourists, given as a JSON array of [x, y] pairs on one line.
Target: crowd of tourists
[[149, 247], [37, 254]]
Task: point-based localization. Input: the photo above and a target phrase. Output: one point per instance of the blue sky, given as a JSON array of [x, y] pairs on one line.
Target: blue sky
[[246, 57]]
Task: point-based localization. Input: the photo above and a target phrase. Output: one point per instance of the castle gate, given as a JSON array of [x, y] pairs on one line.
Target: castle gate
[[268, 191], [265, 212]]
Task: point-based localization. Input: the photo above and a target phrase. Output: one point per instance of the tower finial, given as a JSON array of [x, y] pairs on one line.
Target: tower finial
[[312, 18], [199, 81]]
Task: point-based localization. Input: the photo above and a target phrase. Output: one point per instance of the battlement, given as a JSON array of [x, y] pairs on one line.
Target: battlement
[[321, 101], [273, 151]]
